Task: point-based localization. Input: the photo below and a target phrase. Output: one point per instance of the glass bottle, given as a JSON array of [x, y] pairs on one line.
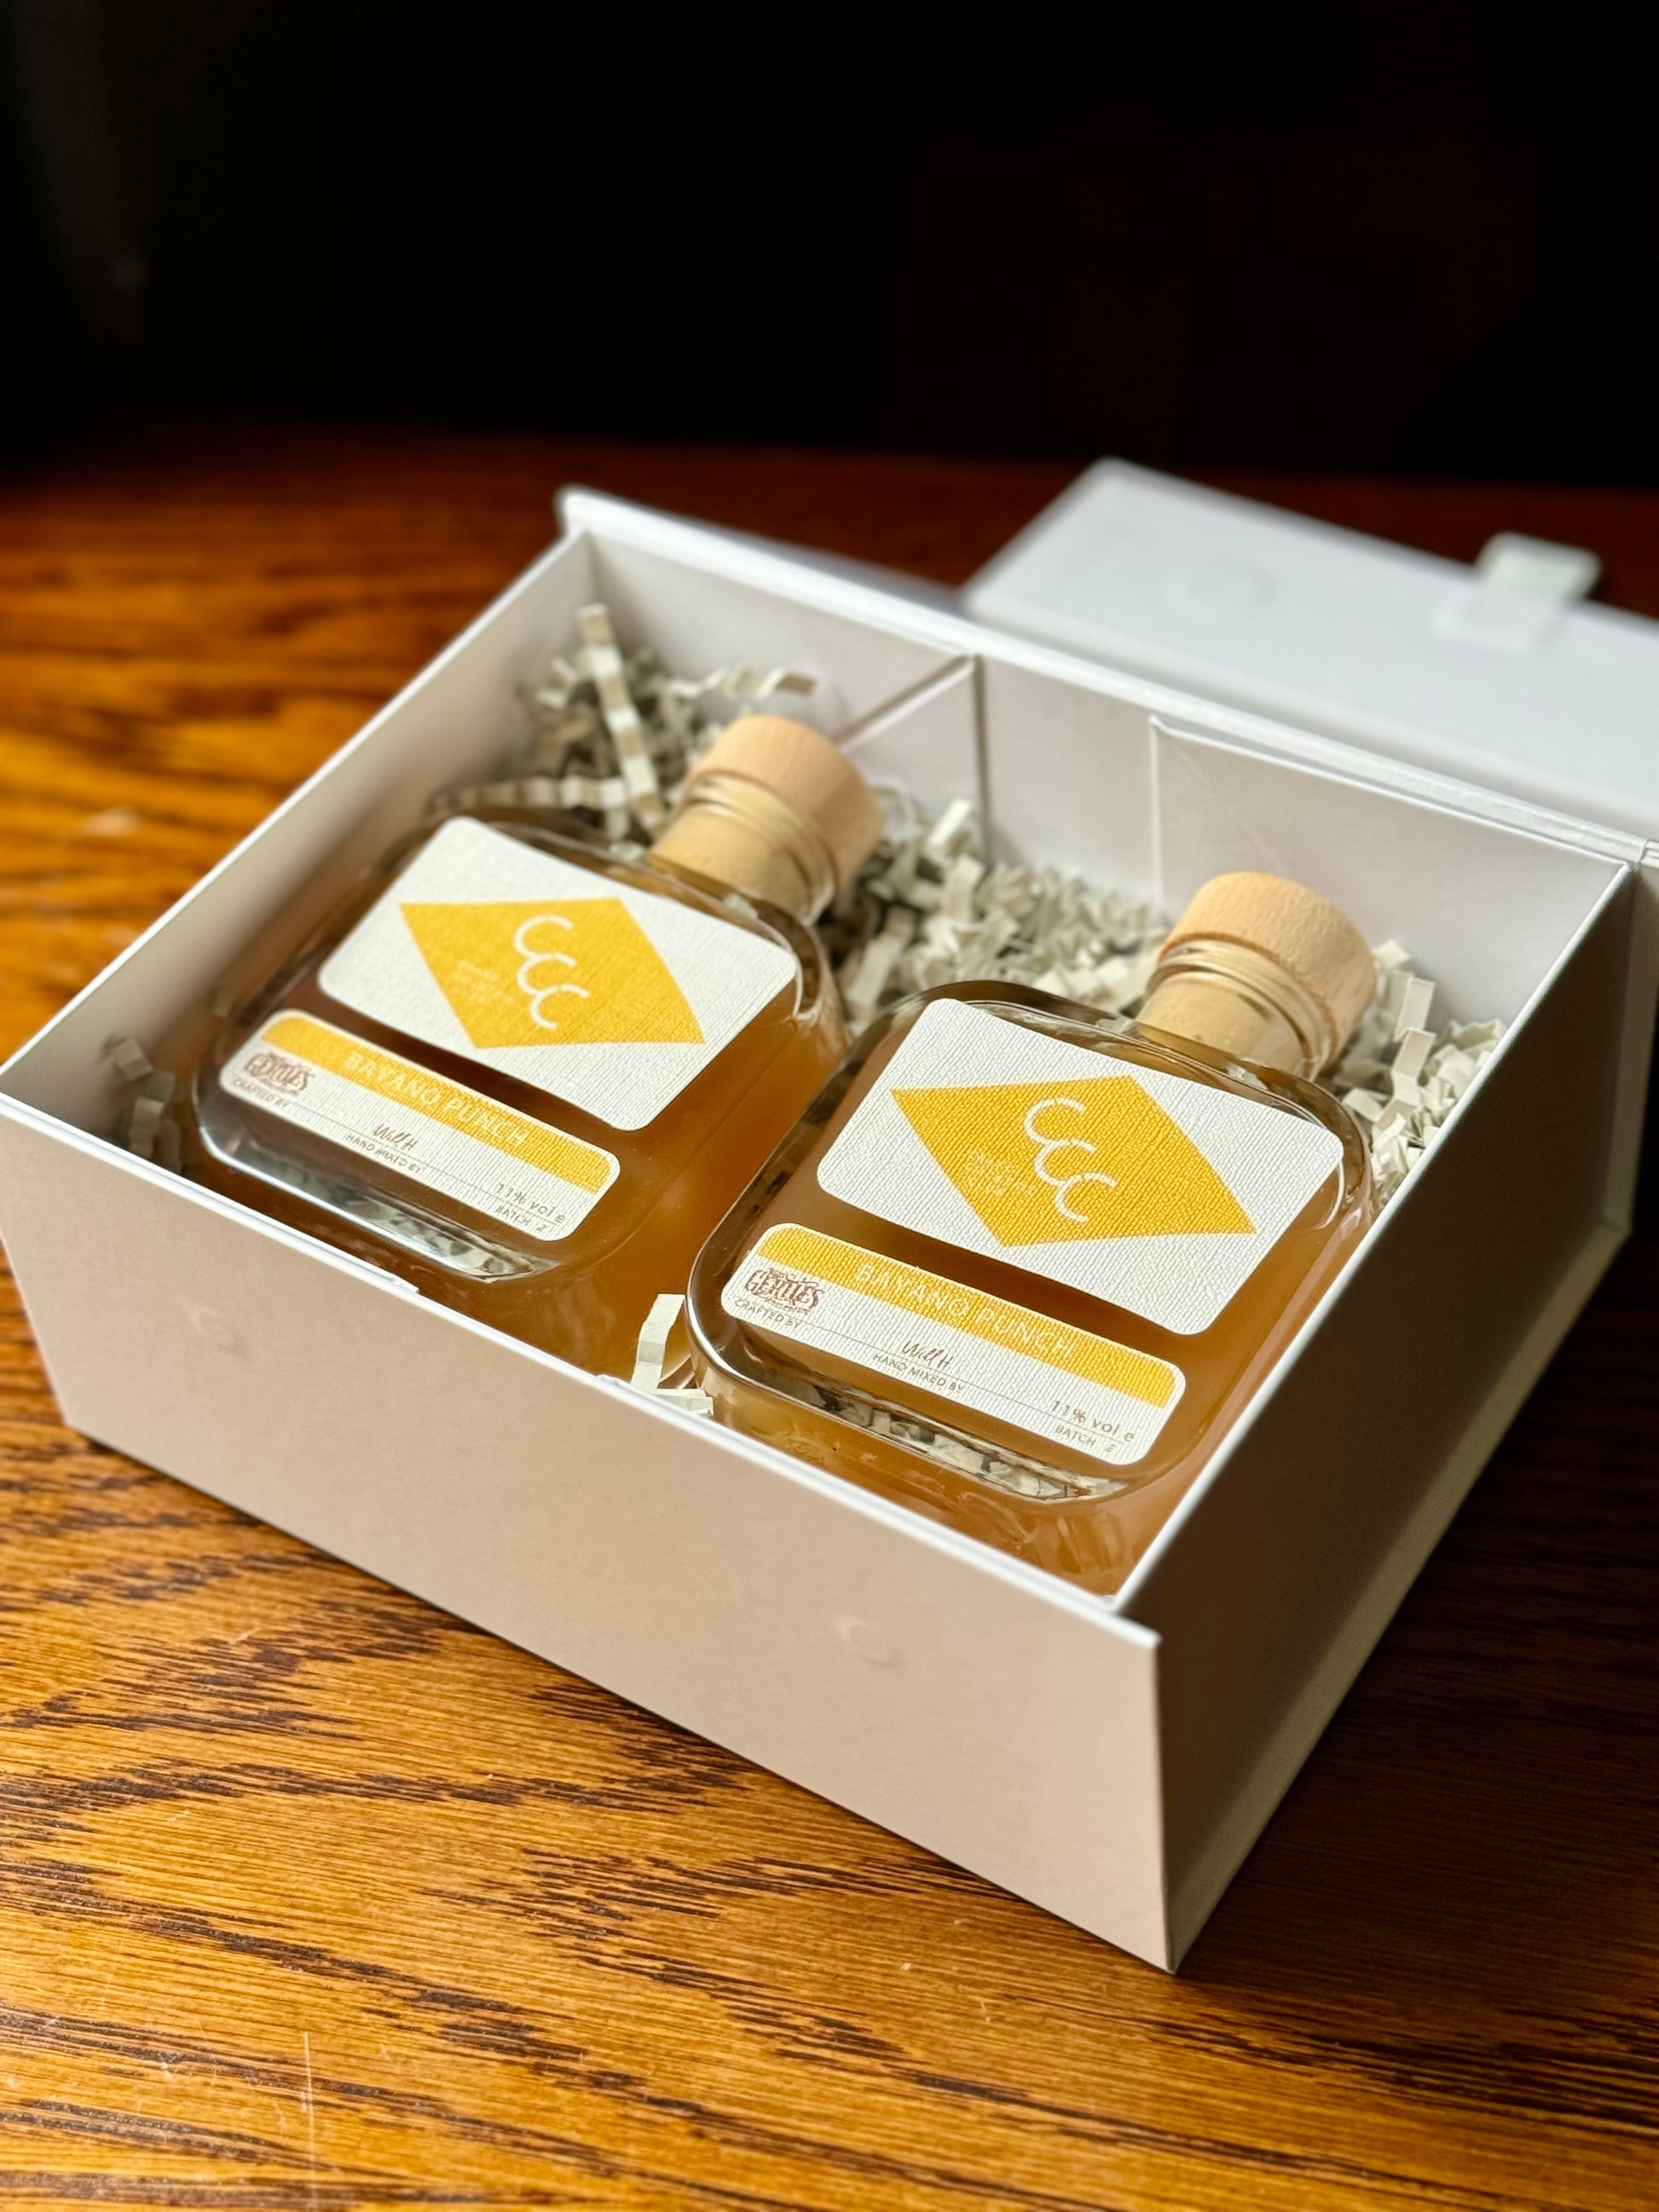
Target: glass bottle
[[527, 1073], [1021, 1265]]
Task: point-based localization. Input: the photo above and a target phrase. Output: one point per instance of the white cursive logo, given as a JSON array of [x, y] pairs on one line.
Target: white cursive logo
[[531, 960], [1048, 1147]]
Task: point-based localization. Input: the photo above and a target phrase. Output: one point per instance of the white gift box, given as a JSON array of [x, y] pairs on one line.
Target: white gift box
[[1110, 1758]]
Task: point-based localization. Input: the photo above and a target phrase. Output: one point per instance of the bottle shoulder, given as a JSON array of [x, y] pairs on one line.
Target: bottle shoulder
[[569, 842], [626, 862], [1112, 1037], [635, 868]]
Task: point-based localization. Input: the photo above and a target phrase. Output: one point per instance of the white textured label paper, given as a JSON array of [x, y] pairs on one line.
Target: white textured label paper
[[961, 1345], [384, 1108], [610, 998], [1151, 1192]]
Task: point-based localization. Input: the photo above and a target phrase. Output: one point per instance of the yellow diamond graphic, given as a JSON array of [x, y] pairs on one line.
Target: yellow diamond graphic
[[1043, 1162], [572, 971]]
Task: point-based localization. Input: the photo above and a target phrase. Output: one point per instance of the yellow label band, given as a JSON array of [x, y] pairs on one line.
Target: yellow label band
[[902, 1324], [995, 1321], [403, 1083], [488, 1158]]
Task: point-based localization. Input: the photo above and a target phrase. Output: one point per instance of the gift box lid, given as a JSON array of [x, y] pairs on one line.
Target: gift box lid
[[1494, 673]]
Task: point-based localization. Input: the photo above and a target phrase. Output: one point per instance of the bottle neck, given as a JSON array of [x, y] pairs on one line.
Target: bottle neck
[[738, 833], [1236, 1000]]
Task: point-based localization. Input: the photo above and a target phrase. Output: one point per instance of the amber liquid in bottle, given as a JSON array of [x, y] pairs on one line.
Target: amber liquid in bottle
[[516, 1085], [953, 1341]]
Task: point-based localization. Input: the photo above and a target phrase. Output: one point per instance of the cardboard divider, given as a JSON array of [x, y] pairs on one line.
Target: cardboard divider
[[1070, 776], [928, 746]]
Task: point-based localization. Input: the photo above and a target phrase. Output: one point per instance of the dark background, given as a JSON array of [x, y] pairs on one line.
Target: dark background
[[1407, 237]]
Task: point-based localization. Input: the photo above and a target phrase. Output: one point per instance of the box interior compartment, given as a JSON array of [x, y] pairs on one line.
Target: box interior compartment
[[1110, 1759]]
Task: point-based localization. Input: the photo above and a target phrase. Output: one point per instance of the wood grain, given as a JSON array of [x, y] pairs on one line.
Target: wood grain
[[313, 1897]]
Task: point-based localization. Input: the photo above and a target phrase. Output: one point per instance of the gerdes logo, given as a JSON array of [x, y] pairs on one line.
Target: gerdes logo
[[1097, 1159], [575, 971], [276, 1069], [778, 1286]]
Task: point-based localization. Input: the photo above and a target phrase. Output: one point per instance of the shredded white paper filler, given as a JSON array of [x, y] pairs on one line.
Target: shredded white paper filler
[[651, 1357], [612, 736], [147, 1125], [927, 907]]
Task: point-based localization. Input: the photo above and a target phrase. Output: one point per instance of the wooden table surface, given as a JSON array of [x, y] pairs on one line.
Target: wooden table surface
[[311, 1897]]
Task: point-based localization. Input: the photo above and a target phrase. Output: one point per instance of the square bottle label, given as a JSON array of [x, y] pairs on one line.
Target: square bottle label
[[1137, 1186], [609, 998], [386, 1109]]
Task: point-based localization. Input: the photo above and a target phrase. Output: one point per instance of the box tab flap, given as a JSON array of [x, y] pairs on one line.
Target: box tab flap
[[1494, 673]]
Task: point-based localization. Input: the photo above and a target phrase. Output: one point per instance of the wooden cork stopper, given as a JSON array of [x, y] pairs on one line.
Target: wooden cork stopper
[[812, 777], [1303, 933]]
